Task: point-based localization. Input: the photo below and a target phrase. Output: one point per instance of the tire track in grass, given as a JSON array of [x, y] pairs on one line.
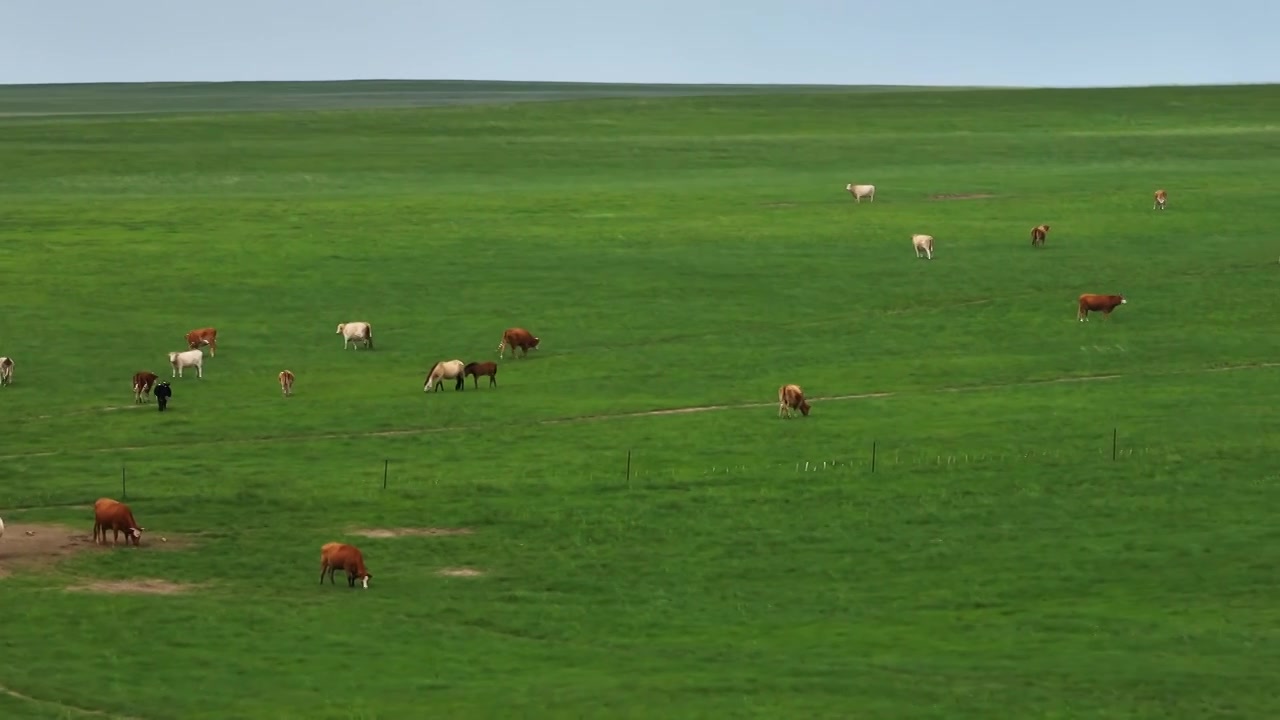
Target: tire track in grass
[[63, 706], [634, 414]]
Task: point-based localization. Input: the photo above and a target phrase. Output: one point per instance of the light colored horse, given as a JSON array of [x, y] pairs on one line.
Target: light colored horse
[[861, 191], [923, 242], [190, 358], [446, 370], [6, 371], [356, 332]]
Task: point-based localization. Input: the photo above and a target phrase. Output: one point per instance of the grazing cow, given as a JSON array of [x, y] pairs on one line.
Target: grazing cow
[[189, 358], [286, 383], [1038, 234], [1, 527], [163, 393], [1162, 197], [925, 243], [1098, 303], [356, 333], [340, 556], [446, 370], [517, 338], [115, 516], [6, 371], [476, 369], [203, 336], [790, 399], [861, 191], [143, 381]]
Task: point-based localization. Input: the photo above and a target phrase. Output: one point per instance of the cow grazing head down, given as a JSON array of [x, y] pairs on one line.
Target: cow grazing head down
[[804, 407]]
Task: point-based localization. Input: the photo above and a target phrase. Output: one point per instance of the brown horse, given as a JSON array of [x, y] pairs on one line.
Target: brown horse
[[476, 369]]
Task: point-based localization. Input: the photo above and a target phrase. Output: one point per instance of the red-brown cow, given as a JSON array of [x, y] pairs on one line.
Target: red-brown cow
[[286, 383], [115, 516], [143, 381], [203, 336], [790, 399], [1038, 234], [477, 369], [1098, 303], [339, 556], [517, 338], [1162, 197]]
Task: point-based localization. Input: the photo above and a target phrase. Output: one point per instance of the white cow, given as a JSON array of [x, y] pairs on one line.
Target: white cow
[[861, 191], [923, 242], [6, 371], [1, 527], [356, 332], [189, 358]]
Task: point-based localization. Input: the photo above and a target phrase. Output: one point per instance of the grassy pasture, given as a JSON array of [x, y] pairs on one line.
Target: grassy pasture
[[673, 254]]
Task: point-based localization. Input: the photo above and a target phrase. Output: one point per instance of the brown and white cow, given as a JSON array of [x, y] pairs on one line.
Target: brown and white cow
[[115, 516], [1038, 234], [861, 191], [340, 556], [790, 399], [203, 336], [923, 242], [1161, 197], [1098, 303], [143, 381], [517, 339], [286, 383], [356, 333], [6, 371]]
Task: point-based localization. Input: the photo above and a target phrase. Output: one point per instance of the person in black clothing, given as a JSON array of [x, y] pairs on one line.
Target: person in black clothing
[[162, 393]]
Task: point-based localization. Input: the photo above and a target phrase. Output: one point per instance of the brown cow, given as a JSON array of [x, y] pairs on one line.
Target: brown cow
[[476, 369], [203, 336], [115, 516], [1162, 197], [517, 338], [143, 381], [339, 556], [286, 383], [1098, 303], [790, 399], [1038, 234], [6, 371]]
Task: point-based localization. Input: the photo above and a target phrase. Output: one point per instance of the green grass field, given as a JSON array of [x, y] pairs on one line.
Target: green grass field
[[1003, 560]]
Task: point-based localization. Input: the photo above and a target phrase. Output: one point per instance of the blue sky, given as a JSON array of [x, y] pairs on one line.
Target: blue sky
[[896, 42]]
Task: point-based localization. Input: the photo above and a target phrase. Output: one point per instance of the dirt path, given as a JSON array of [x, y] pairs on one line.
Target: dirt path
[[64, 707], [635, 414]]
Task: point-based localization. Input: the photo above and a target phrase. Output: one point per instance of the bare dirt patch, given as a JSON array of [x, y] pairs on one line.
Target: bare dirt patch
[[410, 532], [461, 572], [961, 196], [146, 587], [779, 204], [36, 546]]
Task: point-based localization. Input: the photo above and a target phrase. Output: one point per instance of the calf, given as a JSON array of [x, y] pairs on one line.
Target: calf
[[6, 371], [923, 242], [189, 358], [203, 336], [861, 191], [517, 338], [476, 369], [339, 556], [356, 333], [143, 381], [286, 383], [1161, 198], [1038, 234], [115, 516], [790, 399], [1098, 303]]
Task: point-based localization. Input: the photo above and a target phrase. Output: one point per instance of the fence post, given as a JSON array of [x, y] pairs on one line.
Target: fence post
[[124, 491], [628, 468], [873, 456], [1115, 432], [385, 463]]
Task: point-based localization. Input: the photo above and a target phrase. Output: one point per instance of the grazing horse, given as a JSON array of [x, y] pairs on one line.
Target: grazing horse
[[1038, 234], [790, 399], [446, 370], [286, 383], [1162, 197], [476, 369], [923, 242], [1098, 303]]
